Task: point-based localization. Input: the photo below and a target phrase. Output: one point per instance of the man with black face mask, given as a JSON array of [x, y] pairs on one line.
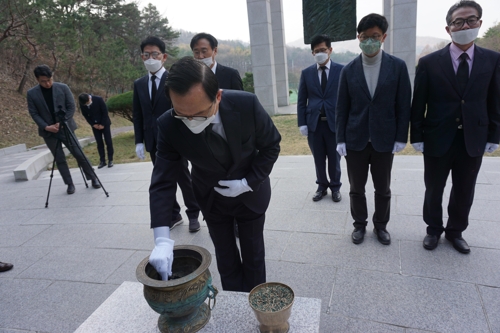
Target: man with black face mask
[[455, 119], [150, 102]]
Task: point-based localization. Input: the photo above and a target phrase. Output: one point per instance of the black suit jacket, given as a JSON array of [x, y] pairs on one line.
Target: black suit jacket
[[254, 144], [145, 114], [228, 78], [311, 97], [39, 110], [382, 119], [97, 113], [438, 106]]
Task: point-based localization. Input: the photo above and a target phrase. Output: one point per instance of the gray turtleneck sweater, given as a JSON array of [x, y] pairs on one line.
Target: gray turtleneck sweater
[[371, 68]]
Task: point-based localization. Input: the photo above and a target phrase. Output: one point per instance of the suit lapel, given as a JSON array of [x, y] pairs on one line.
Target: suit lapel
[[39, 95], [360, 76], [477, 67], [447, 66], [385, 67], [231, 122]]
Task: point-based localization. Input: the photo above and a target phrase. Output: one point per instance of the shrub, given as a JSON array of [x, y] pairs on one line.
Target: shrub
[[121, 105]]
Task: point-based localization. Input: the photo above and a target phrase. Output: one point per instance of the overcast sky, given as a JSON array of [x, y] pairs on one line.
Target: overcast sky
[[228, 19]]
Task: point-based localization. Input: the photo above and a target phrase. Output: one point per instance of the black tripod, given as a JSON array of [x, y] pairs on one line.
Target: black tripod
[[72, 143]]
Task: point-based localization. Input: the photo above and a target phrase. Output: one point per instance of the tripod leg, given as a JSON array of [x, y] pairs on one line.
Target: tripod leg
[[59, 144], [83, 176]]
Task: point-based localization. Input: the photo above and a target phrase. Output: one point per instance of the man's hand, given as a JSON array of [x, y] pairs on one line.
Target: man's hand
[[139, 150], [234, 187], [52, 128], [490, 147], [418, 146], [162, 257], [303, 130], [398, 146], [341, 149], [96, 126]]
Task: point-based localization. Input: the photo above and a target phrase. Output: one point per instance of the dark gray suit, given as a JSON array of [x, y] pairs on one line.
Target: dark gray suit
[[369, 126], [40, 113], [228, 78]]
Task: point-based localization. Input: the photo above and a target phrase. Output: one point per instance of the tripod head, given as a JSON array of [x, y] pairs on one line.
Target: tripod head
[[61, 114]]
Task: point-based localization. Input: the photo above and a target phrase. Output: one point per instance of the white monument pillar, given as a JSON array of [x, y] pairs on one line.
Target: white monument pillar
[[280, 63], [261, 46], [402, 17]]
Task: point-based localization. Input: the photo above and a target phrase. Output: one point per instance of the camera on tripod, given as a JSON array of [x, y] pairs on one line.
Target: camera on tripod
[[61, 114]]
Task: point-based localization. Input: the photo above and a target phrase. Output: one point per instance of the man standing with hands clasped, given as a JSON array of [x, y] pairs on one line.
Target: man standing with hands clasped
[[455, 119], [317, 97], [232, 145], [149, 103], [373, 113]]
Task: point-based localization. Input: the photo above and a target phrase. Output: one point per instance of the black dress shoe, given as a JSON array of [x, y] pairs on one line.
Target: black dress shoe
[[459, 244], [319, 195], [177, 221], [110, 164], [95, 183], [71, 189], [358, 235], [431, 242], [101, 165], [383, 236], [336, 196], [5, 266]]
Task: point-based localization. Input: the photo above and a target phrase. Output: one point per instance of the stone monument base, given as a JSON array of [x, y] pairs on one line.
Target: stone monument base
[[126, 311]]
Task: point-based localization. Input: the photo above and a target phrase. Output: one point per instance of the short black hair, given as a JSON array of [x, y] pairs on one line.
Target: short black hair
[[187, 72], [203, 35], [83, 98], [320, 39], [152, 40], [371, 21], [463, 3], [42, 70]]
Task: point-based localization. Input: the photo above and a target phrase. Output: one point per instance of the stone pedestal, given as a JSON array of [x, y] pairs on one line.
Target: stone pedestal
[[402, 34], [126, 311]]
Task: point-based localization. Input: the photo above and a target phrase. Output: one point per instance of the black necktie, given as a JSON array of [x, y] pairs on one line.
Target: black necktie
[[323, 78], [153, 88], [218, 146], [463, 72]]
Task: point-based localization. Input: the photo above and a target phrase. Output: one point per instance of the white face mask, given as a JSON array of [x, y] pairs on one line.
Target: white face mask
[[464, 37], [320, 57], [90, 103], [152, 65], [207, 61], [197, 126]]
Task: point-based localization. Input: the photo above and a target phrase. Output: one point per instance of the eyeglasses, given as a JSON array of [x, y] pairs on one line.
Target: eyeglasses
[[154, 55], [459, 22], [200, 118], [320, 51], [374, 37]]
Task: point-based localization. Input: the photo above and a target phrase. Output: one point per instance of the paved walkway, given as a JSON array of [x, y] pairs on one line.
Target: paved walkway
[[71, 256]]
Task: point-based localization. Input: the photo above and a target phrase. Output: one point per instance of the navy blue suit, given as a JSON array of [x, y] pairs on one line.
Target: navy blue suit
[[97, 114], [146, 114], [321, 130]]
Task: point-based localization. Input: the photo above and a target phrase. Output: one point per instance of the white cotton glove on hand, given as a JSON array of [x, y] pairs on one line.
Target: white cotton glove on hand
[[418, 146], [398, 146], [341, 149], [303, 130], [490, 147], [139, 150], [234, 187], [162, 257]]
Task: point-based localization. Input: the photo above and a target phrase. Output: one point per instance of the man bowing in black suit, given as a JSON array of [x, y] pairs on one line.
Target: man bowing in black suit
[[232, 145], [455, 119], [149, 103], [95, 112], [204, 47]]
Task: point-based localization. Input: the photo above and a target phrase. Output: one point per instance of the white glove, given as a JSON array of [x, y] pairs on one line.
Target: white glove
[[139, 150], [490, 147], [162, 257], [398, 146], [303, 130], [418, 146], [234, 187], [341, 149]]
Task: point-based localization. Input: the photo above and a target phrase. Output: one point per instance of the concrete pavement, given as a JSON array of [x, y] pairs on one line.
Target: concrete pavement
[[70, 257]]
